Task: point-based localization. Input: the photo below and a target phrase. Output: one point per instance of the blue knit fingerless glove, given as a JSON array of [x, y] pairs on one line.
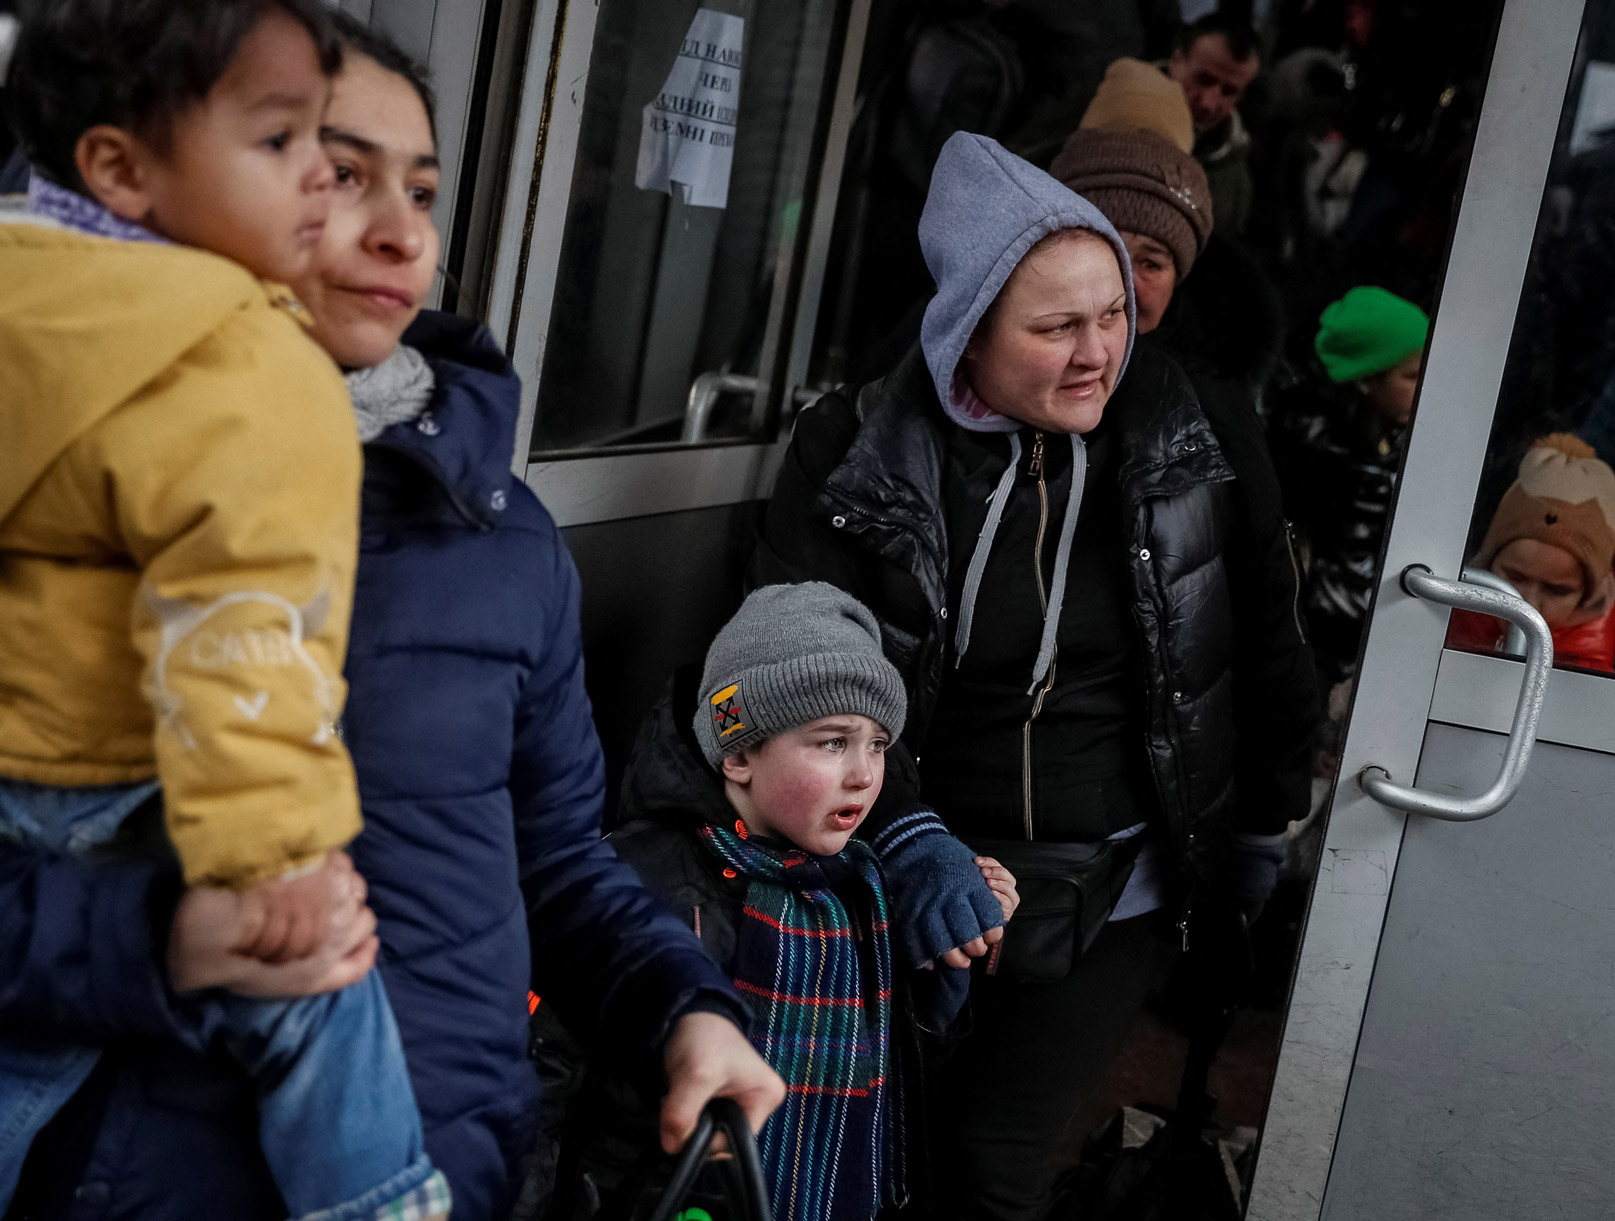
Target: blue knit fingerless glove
[[939, 898]]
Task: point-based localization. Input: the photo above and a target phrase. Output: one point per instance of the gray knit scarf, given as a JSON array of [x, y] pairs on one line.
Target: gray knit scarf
[[393, 392]]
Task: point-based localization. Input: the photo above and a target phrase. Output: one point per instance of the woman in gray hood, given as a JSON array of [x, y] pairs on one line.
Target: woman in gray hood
[[1043, 522]]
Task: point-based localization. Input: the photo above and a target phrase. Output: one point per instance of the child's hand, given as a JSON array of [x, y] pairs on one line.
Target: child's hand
[[285, 919], [1002, 883], [207, 926]]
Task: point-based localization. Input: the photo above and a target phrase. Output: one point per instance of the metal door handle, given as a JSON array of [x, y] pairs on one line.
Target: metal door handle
[[704, 392], [1419, 582], [1514, 642], [706, 388]]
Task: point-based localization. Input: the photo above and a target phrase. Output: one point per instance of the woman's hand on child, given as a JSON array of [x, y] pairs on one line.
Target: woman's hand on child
[[208, 927], [708, 1057], [1002, 883]]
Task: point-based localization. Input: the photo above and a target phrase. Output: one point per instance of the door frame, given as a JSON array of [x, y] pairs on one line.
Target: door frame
[[1532, 61]]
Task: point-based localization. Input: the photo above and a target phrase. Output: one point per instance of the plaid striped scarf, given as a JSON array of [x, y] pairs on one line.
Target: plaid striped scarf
[[818, 976]]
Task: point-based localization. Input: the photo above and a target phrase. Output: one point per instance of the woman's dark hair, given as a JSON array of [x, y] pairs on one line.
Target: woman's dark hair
[[133, 64], [372, 44]]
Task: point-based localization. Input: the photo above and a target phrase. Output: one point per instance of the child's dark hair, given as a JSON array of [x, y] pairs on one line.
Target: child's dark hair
[[133, 64], [1237, 33], [373, 44]]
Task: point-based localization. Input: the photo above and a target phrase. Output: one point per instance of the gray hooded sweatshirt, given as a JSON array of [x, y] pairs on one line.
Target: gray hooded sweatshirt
[[986, 208]]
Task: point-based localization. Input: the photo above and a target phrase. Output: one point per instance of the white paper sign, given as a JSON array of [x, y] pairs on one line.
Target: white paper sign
[[688, 132]]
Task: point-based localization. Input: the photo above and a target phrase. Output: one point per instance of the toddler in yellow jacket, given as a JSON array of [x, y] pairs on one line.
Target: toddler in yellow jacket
[[178, 535]]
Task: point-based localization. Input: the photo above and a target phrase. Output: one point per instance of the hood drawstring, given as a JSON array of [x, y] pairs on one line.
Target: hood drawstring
[[984, 544], [1062, 556]]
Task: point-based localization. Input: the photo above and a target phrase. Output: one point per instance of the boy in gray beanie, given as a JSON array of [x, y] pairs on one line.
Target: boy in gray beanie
[[794, 654], [800, 666], [797, 705]]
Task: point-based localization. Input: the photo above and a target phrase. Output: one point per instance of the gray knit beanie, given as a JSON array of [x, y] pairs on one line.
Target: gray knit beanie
[[794, 654]]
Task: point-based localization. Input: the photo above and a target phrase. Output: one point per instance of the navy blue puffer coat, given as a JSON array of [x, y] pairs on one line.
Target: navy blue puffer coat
[[482, 782]]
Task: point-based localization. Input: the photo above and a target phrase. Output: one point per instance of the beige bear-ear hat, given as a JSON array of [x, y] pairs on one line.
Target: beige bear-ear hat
[[1564, 497], [1564, 467]]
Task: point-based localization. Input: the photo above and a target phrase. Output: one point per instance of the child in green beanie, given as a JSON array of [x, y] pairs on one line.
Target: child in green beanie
[[1337, 444], [1374, 340]]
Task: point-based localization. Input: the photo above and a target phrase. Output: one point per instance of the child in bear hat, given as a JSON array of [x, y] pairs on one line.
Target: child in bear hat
[[756, 849], [1553, 539]]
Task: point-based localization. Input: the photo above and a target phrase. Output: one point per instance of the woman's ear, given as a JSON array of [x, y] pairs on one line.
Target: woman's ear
[[112, 163], [737, 767]]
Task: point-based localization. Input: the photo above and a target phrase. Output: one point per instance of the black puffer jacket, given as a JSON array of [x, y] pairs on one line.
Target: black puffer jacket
[[1338, 464], [1230, 702]]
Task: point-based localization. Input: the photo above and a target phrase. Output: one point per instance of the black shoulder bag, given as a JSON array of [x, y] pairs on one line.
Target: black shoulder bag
[[1067, 893]]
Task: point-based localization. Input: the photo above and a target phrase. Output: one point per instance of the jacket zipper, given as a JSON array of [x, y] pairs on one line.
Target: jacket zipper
[[1035, 469], [1295, 571], [1182, 923], [894, 523]]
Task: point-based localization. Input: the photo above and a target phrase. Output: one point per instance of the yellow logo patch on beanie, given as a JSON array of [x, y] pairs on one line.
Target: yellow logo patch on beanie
[[727, 714]]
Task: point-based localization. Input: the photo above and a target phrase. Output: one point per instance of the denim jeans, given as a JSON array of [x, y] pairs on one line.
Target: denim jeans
[[337, 1118]]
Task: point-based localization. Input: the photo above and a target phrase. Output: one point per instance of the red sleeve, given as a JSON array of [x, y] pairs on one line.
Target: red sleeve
[[1475, 633]]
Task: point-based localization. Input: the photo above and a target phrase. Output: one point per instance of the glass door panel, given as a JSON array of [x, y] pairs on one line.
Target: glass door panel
[[668, 311], [1418, 1029]]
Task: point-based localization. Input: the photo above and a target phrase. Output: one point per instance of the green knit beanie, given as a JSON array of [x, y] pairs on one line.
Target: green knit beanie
[[1368, 331]]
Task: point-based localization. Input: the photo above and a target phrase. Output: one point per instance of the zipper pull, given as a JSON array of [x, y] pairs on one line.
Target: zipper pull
[[1035, 468]]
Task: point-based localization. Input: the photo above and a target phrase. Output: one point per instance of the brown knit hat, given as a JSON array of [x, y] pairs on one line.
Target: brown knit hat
[[1564, 497], [1143, 184], [1135, 95]]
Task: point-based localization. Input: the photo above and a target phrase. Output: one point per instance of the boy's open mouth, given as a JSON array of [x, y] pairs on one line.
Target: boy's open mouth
[[846, 818]]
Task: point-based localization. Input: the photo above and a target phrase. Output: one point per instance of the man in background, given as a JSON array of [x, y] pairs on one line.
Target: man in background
[[1215, 61]]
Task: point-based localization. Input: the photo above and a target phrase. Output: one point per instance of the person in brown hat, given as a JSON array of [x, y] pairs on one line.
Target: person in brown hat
[[1553, 539], [1135, 94], [1131, 156], [1152, 191]]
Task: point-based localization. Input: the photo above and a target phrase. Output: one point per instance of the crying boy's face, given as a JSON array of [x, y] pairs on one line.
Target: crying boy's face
[[810, 786]]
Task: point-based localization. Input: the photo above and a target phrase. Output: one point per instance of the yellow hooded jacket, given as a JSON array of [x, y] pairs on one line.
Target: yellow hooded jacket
[[179, 495]]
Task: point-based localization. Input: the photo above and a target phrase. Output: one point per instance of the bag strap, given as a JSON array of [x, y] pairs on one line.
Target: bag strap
[[726, 1116]]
